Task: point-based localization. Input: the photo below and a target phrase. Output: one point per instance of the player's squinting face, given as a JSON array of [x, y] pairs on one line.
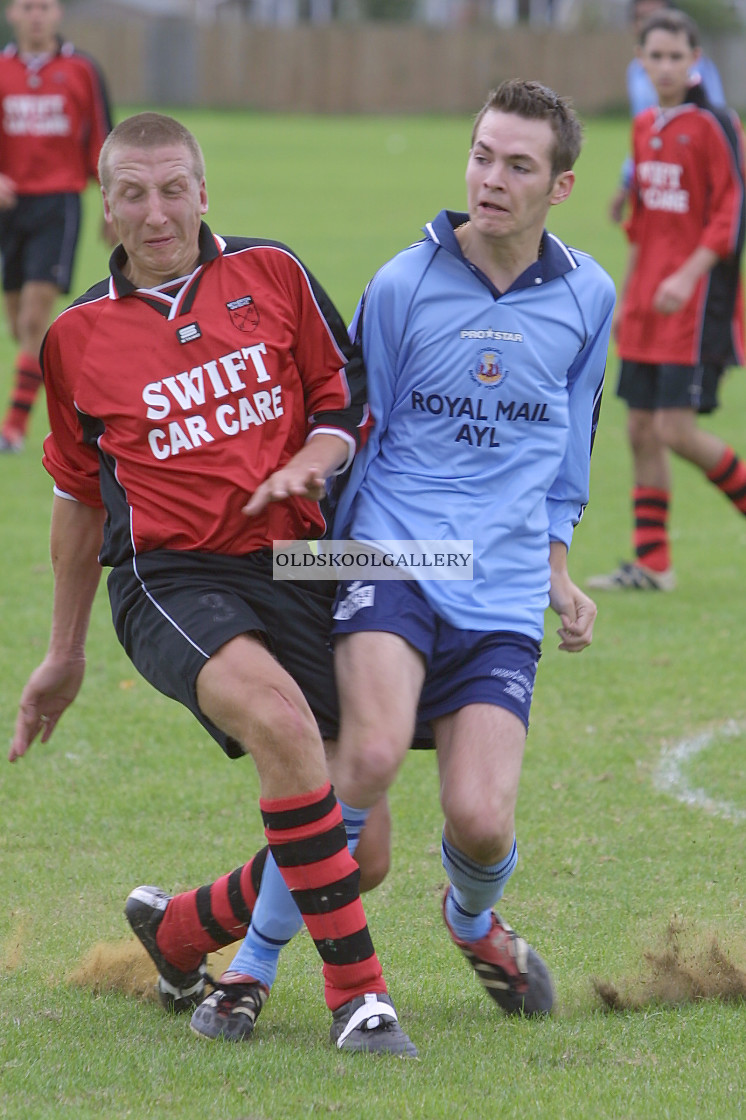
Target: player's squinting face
[[668, 58], [509, 180], [155, 203]]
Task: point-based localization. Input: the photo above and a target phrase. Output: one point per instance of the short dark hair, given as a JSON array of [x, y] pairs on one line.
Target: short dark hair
[[149, 130], [534, 101], [673, 21]]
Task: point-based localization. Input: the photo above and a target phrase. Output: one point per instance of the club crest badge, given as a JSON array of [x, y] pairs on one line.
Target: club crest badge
[[244, 313], [489, 372]]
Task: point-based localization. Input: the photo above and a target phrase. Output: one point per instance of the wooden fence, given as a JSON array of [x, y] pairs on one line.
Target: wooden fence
[[361, 68]]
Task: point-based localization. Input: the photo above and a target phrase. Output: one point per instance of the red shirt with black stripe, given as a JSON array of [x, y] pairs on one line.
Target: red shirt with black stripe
[[170, 405], [54, 117], [688, 192]]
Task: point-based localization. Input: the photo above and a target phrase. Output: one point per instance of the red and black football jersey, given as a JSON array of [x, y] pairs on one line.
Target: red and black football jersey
[[54, 118], [688, 191], [169, 406]]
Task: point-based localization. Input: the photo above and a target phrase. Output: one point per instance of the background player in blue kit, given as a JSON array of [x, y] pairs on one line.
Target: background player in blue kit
[[510, 327]]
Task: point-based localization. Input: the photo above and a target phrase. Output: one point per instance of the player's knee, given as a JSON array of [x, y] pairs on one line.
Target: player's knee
[[367, 771], [673, 434], [273, 721], [640, 430], [482, 833], [31, 328], [284, 718]]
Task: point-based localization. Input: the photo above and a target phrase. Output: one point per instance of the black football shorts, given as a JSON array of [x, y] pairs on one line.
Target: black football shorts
[[172, 610], [649, 387], [38, 239]]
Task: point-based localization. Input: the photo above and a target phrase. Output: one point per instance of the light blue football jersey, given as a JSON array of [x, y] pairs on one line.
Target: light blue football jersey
[[485, 407]]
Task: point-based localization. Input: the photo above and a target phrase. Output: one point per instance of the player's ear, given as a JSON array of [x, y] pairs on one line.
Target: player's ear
[[203, 197], [561, 187]]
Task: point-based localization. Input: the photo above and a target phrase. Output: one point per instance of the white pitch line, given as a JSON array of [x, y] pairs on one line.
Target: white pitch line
[[669, 776]]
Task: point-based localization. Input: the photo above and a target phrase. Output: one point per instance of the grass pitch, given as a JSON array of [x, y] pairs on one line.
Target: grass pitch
[[632, 806]]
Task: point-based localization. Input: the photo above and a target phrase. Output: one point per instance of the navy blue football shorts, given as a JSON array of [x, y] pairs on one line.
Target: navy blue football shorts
[[172, 610], [462, 666], [38, 239], [648, 387]]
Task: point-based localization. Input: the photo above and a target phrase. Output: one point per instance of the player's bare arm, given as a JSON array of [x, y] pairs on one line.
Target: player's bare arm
[[8, 195], [52, 687], [576, 610], [617, 205], [304, 475], [676, 290]]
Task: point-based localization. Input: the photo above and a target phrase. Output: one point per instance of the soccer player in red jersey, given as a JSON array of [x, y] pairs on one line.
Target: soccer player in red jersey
[[641, 92], [198, 400], [54, 116], [681, 319]]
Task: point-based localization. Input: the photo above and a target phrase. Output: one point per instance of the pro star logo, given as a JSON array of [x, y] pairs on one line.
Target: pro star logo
[[188, 333], [488, 370], [243, 313]]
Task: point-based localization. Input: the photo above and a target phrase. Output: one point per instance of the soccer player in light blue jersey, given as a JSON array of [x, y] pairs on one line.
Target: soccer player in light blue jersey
[[485, 345]]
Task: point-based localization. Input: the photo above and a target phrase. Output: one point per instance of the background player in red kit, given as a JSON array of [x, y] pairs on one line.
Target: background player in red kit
[[187, 435], [54, 115], [681, 318]]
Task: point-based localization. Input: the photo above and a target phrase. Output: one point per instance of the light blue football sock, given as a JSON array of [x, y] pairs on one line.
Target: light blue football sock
[[354, 824], [274, 921], [475, 889]]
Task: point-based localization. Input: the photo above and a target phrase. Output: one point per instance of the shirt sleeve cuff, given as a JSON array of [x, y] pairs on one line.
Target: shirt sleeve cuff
[[348, 439], [63, 494]]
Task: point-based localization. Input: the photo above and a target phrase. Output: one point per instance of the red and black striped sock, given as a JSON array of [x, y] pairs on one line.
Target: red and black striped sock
[[729, 475], [25, 389], [203, 920], [307, 837], [650, 533]]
